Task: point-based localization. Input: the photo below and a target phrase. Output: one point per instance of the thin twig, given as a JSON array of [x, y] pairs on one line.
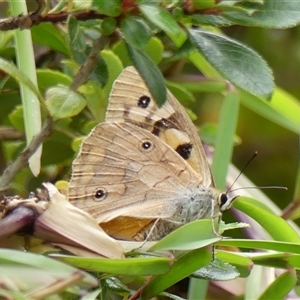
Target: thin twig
[[10, 133], [33, 19], [22, 159]]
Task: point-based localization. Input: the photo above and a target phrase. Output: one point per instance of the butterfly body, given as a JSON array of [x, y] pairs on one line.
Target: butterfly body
[[143, 172]]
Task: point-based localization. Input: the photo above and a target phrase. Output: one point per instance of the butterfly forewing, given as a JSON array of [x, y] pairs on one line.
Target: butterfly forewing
[[131, 102]]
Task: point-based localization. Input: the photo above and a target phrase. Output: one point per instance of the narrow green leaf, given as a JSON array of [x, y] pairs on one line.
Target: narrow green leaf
[[262, 244], [242, 264], [130, 266], [276, 260], [19, 263], [280, 287], [62, 102], [161, 18], [197, 288], [210, 20], [270, 14], [183, 267], [239, 64], [180, 92], [193, 235], [225, 138], [150, 73], [30, 101], [100, 72], [296, 212], [277, 227], [172, 296], [110, 8], [76, 36], [208, 133], [283, 109], [136, 32], [19, 76]]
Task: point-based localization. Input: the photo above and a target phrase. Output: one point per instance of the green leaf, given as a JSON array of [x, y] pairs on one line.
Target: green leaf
[[161, 18], [262, 244], [225, 138], [136, 32], [129, 266], [182, 267], [277, 227], [210, 20], [16, 118], [208, 133], [276, 260], [172, 296], [61, 143], [242, 264], [63, 103], [150, 73], [155, 49], [114, 66], [203, 4], [76, 36], [180, 92], [110, 8], [48, 77], [108, 25], [100, 72], [236, 62], [280, 287], [217, 270], [48, 35], [272, 14], [14, 72], [283, 109], [29, 271], [117, 286], [193, 235]]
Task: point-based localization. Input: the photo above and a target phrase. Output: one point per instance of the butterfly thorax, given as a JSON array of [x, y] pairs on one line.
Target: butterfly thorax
[[201, 203], [193, 204]]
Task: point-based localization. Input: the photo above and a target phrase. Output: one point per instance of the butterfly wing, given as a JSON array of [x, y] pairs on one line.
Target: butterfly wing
[[125, 171], [131, 102]]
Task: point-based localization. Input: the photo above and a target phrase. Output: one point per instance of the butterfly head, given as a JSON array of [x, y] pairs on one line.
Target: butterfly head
[[225, 202]]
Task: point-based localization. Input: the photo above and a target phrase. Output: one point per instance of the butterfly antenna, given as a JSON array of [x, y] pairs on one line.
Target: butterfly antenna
[[242, 171], [261, 187]]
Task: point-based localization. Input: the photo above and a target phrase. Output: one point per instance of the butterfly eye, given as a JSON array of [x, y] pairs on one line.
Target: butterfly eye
[[223, 200], [100, 194], [144, 101], [146, 145]]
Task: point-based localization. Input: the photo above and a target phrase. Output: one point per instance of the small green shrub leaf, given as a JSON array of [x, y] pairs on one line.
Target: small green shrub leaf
[[236, 62], [63, 103]]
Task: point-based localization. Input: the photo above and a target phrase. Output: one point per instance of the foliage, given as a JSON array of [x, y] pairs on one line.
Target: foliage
[[81, 47]]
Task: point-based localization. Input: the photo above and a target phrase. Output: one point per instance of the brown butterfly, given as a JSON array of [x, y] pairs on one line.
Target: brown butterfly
[[143, 172]]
